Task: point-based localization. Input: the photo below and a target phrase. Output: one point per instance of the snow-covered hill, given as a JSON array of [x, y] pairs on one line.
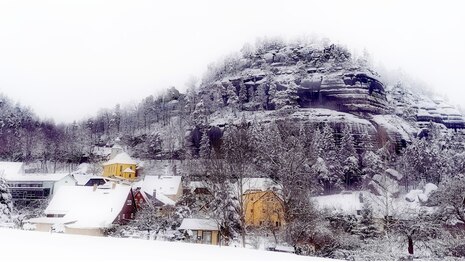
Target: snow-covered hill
[[19, 245]]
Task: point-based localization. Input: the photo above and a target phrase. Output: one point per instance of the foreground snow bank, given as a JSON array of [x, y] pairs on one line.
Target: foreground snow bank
[[19, 245]]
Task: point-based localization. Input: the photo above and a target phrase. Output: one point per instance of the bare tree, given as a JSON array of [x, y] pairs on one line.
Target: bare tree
[[238, 154]]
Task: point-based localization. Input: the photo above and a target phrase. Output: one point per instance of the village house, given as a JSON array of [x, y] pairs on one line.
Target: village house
[[169, 186], [120, 165], [32, 186], [205, 231], [88, 210], [263, 209], [262, 205]]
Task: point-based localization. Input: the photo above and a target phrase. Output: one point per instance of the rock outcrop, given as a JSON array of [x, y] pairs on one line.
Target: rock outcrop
[[303, 78]]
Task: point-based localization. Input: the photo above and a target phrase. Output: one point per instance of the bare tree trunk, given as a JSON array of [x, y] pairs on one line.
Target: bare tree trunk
[[410, 245]]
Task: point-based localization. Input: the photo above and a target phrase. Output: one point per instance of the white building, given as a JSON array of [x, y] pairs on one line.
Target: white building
[[24, 186]]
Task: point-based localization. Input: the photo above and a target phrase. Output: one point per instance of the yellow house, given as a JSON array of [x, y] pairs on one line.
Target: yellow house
[[263, 209], [120, 164]]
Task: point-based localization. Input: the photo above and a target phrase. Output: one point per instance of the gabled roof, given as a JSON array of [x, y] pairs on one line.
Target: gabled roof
[[37, 177], [121, 158], [11, 168], [164, 200], [166, 185], [82, 178], [257, 184], [198, 224], [89, 208]]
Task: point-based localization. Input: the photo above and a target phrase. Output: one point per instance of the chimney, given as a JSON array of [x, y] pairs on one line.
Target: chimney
[[154, 198], [95, 187]]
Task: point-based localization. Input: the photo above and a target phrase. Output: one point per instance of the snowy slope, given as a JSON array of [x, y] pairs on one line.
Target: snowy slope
[[19, 245]]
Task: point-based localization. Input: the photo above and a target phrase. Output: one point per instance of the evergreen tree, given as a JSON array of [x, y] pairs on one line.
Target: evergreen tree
[[347, 145], [349, 159], [205, 145], [6, 204]]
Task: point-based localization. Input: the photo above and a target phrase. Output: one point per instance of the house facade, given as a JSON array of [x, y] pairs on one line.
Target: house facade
[[263, 209]]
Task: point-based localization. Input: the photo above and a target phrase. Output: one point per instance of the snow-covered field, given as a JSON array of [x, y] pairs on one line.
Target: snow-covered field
[[17, 245]]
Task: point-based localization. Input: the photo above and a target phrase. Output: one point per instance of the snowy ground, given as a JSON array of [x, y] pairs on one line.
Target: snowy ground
[[17, 245]]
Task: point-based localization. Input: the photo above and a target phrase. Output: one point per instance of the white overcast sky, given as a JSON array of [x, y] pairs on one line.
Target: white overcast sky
[[67, 59]]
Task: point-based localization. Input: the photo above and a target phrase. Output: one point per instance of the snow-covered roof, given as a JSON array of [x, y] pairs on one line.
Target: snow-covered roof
[[262, 184], [197, 184], [167, 185], [89, 208], [10, 168], [158, 196], [346, 203], [198, 224], [82, 178], [36, 177], [121, 158], [256, 184], [164, 199]]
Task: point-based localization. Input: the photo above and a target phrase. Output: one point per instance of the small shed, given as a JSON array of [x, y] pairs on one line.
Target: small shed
[[205, 231]]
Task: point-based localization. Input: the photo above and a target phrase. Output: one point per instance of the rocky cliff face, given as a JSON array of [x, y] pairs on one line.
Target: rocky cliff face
[[424, 109], [300, 76], [313, 83]]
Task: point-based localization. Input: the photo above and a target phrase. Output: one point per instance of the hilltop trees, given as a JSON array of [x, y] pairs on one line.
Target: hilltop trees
[[24, 137]]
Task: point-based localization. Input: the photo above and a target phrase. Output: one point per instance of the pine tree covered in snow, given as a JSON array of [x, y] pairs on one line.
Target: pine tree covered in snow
[[6, 204], [205, 149]]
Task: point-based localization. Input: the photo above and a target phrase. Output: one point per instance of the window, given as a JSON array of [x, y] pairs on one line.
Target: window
[[124, 216], [251, 210], [132, 215], [263, 210], [359, 212], [128, 202]]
